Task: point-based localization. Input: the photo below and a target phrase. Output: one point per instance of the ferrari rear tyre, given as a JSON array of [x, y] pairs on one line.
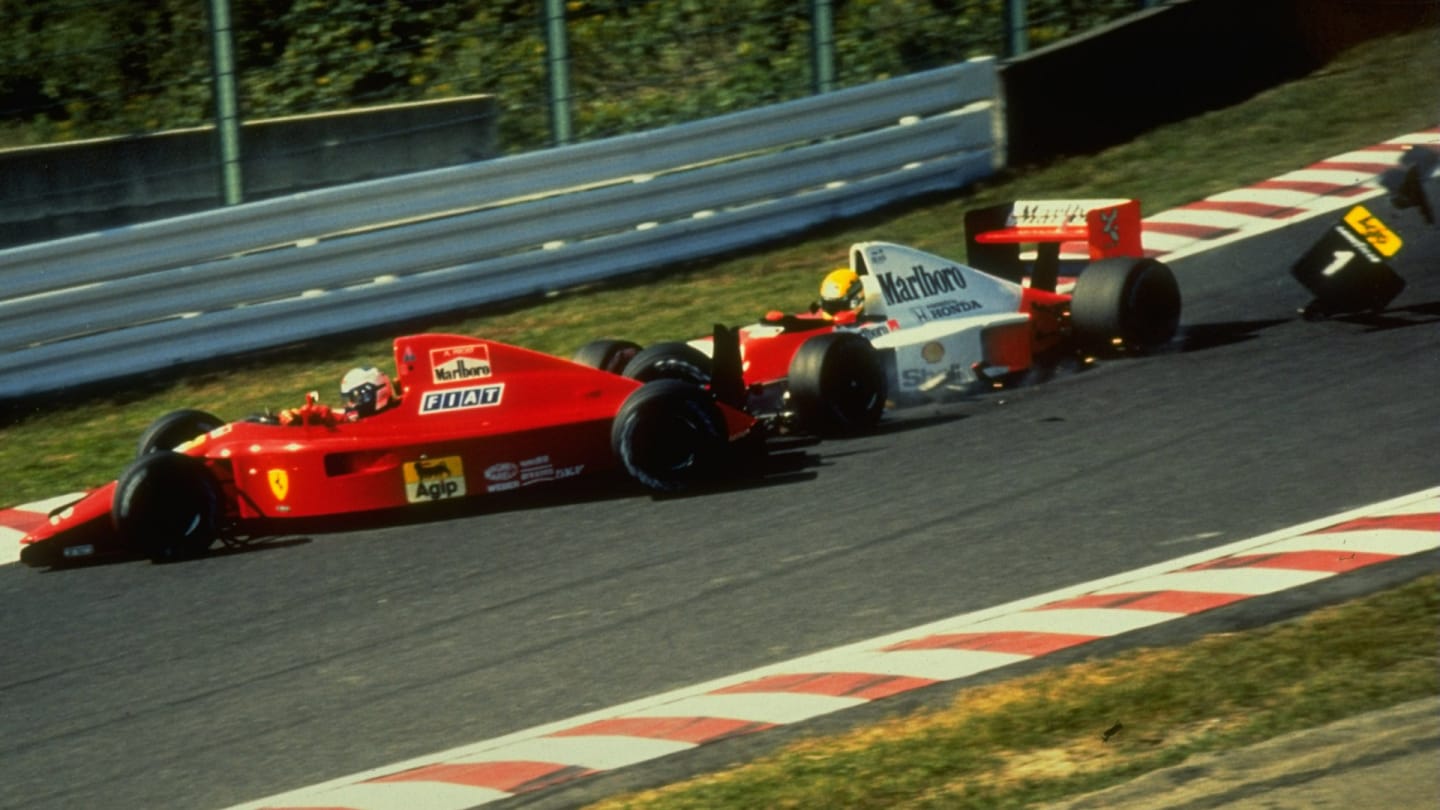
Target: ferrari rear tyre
[[1134, 301], [606, 354], [670, 361], [837, 384], [669, 435], [174, 429], [167, 505]]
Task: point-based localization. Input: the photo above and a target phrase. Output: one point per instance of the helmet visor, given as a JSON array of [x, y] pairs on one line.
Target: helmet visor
[[361, 399]]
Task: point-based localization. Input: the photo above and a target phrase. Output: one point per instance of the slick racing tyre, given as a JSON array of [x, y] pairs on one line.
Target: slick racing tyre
[[174, 429], [167, 506], [669, 435], [1134, 301], [606, 354], [837, 383], [670, 361]]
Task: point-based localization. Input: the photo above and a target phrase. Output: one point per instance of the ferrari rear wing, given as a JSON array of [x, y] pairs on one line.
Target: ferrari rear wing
[[994, 235]]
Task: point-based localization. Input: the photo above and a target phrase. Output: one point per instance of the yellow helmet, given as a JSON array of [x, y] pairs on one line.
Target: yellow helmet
[[841, 291]]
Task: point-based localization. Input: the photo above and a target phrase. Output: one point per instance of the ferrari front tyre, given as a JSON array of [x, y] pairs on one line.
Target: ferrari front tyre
[[174, 429], [606, 354], [669, 435], [1133, 301], [167, 506], [837, 384], [670, 361]]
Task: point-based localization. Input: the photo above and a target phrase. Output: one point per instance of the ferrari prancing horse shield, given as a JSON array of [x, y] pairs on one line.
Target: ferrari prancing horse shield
[[279, 483]]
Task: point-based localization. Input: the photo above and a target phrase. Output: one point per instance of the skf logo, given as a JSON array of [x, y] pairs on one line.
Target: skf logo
[[434, 479], [1369, 227], [279, 483]]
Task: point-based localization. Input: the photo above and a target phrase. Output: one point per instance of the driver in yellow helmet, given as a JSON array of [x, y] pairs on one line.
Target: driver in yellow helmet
[[841, 295]]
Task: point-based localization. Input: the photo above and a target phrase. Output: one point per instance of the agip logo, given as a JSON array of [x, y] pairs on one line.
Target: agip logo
[[434, 479]]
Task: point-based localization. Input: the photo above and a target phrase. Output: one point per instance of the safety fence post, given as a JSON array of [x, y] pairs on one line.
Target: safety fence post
[[1017, 38], [227, 108], [822, 45], [557, 63]]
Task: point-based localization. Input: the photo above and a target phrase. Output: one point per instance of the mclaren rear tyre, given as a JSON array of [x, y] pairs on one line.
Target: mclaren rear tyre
[[670, 361], [837, 384], [669, 435], [167, 505], [1135, 302], [174, 429], [607, 355]]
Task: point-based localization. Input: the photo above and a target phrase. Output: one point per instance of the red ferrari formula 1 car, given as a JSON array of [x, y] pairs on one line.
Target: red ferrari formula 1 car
[[472, 417], [913, 327]]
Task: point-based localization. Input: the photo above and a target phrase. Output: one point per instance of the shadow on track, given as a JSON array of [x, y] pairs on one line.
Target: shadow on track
[[786, 460], [1204, 336], [1397, 318]]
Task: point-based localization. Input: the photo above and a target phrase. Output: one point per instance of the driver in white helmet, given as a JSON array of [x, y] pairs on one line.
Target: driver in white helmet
[[365, 390]]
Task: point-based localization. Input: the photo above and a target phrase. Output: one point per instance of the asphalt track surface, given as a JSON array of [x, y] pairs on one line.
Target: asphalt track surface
[[208, 683]]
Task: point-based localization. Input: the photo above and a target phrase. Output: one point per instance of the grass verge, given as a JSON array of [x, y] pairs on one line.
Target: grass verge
[[1368, 95], [1042, 738]]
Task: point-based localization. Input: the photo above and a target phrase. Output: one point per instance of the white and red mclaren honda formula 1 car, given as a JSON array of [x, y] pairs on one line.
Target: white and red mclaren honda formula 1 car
[[930, 327]]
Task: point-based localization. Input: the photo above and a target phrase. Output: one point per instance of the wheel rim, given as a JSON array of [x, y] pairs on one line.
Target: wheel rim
[[677, 369], [1153, 307], [671, 447], [167, 510], [851, 389], [669, 435]]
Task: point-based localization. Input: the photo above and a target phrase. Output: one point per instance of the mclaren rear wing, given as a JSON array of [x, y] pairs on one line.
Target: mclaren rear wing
[[994, 235]]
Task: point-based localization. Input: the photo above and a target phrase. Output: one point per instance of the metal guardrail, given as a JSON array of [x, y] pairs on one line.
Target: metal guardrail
[[142, 298]]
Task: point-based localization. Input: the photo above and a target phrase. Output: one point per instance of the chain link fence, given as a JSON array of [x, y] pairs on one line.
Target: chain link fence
[[560, 72]]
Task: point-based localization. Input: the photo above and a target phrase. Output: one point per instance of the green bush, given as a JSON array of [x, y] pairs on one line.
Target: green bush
[[107, 67]]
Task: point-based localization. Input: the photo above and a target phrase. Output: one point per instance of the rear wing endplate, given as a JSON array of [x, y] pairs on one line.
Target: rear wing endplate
[[994, 235]]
